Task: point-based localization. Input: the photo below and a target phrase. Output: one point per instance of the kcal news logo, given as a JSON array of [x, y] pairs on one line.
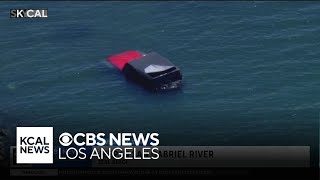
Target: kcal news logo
[[28, 13], [34, 145]]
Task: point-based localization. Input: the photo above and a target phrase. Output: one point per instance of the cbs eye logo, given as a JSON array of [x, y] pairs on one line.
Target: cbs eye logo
[[65, 139]]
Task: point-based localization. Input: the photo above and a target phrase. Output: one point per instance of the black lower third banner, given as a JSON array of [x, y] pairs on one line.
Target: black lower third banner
[[225, 161]]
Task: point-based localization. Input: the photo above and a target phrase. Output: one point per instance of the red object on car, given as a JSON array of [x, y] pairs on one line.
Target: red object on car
[[121, 59]]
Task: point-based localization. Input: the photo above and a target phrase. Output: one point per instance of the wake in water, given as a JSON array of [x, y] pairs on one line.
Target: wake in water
[[107, 64]]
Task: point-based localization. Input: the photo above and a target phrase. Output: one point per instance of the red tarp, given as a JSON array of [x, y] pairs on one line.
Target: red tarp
[[120, 60]]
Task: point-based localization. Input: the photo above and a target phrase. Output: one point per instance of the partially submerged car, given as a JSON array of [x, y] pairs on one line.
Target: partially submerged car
[[151, 70]]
